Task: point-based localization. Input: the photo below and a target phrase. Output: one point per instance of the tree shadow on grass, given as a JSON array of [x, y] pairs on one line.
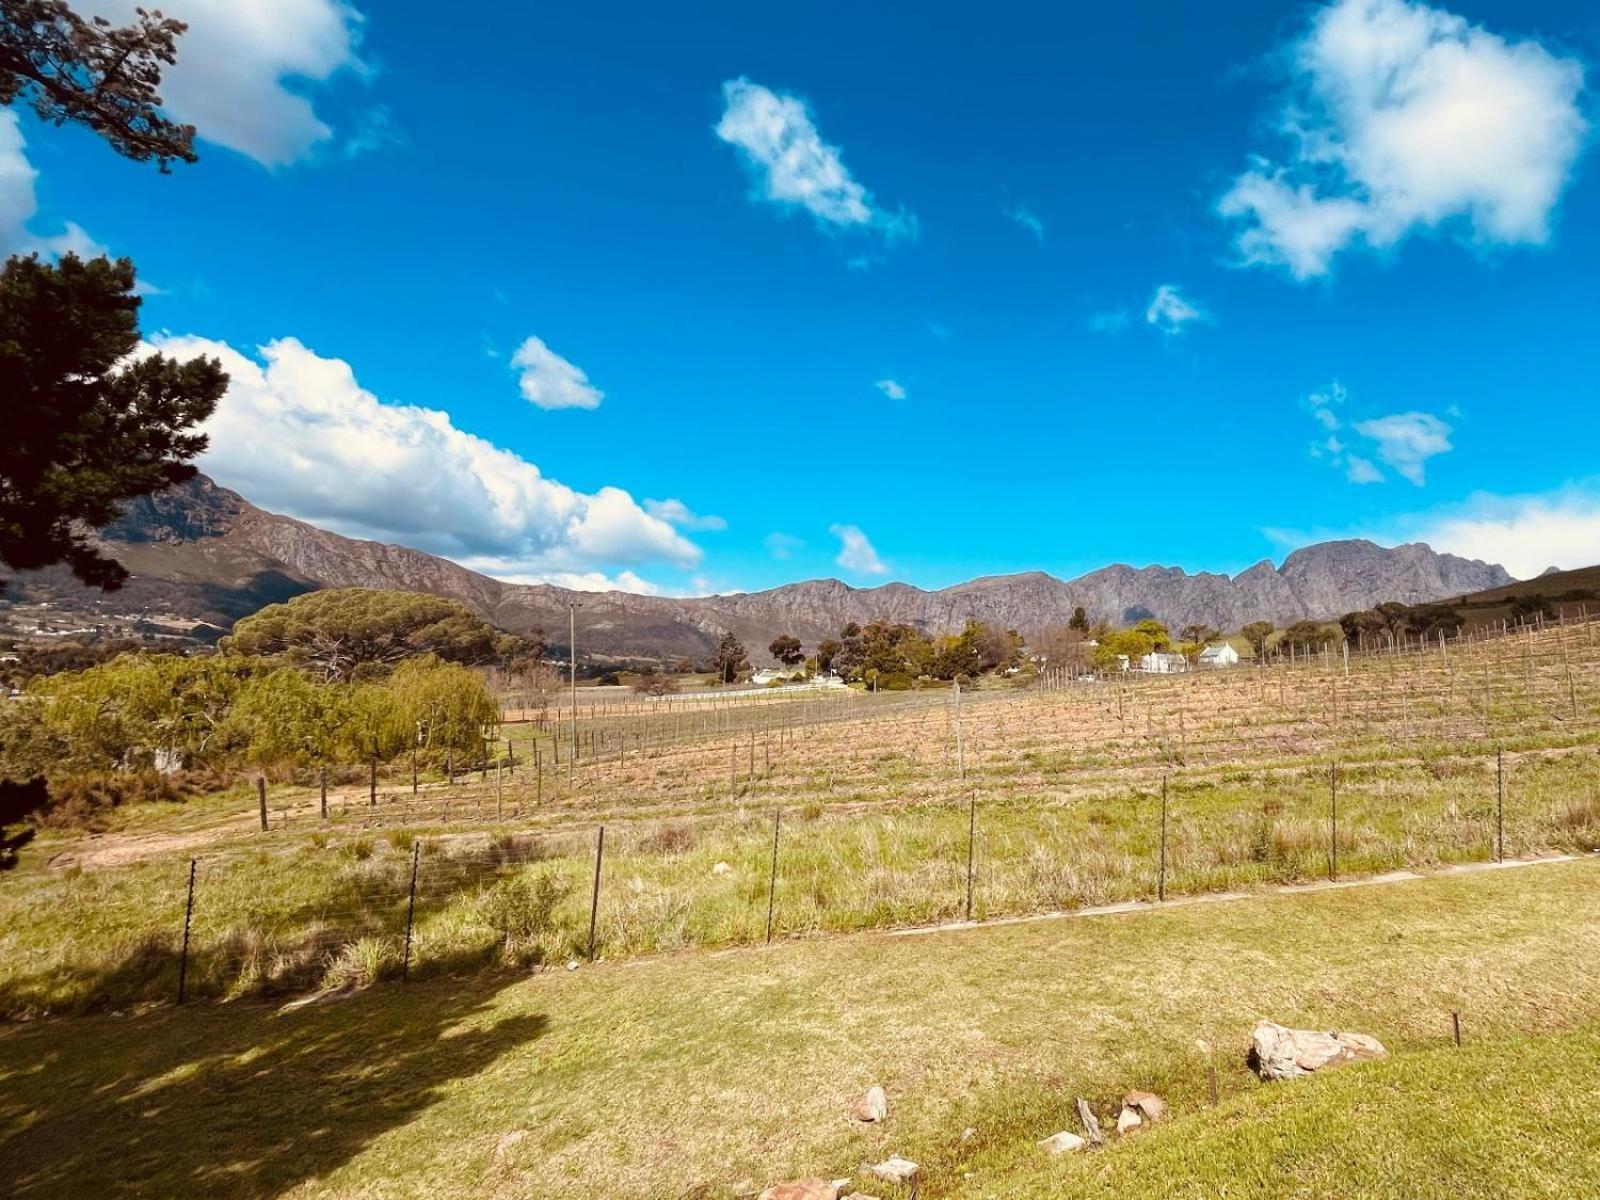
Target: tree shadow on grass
[[235, 1100]]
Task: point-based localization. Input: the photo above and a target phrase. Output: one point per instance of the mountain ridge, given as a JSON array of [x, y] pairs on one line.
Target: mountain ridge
[[205, 553]]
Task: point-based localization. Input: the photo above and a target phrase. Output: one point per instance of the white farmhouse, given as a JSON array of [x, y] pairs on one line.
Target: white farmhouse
[[1159, 663], [1221, 655]]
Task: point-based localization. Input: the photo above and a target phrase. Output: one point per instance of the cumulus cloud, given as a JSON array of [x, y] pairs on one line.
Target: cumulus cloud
[[792, 165], [676, 512], [245, 67], [1525, 534], [1404, 441], [19, 203], [580, 581], [297, 434], [1027, 218], [891, 389], [782, 545], [856, 552], [550, 381], [1170, 310], [1403, 117]]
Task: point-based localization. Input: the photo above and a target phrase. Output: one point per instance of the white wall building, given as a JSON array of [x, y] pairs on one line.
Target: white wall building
[[1222, 655]]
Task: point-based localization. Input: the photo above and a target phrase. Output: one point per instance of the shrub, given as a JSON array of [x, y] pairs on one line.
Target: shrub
[[521, 909], [669, 839], [84, 800]]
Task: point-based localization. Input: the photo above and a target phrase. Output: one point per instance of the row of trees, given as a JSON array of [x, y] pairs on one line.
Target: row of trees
[[894, 653], [225, 711]]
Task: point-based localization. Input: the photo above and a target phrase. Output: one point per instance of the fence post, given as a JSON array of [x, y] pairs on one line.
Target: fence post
[[1333, 821], [411, 908], [499, 794], [1161, 872], [372, 780], [188, 917], [972, 840], [772, 887], [413, 768], [1500, 806], [594, 902], [261, 796], [322, 784]]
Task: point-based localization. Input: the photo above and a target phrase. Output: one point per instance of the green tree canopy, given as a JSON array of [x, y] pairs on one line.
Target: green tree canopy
[[787, 650], [730, 658], [1257, 633], [87, 428], [338, 631], [1132, 644], [98, 74]]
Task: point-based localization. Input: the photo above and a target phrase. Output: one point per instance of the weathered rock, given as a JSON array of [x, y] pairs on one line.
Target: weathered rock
[[1063, 1143], [1091, 1123], [968, 1133], [803, 1189], [1147, 1104], [873, 1107], [1128, 1121], [895, 1169], [1281, 1053]]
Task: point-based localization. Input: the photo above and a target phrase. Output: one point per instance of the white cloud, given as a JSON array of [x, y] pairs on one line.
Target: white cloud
[[19, 204], [1406, 441], [1361, 470], [245, 67], [676, 512], [1525, 534], [578, 581], [891, 389], [297, 434], [782, 545], [1169, 310], [794, 167], [1027, 218], [550, 381], [1405, 117], [856, 552]]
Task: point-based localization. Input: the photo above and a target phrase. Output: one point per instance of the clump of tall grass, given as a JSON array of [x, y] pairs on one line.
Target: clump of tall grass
[[521, 909]]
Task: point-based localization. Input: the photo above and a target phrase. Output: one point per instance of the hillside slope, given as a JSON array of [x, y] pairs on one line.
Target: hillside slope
[[203, 553]]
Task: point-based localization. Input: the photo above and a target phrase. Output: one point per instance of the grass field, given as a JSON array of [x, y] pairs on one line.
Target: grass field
[[884, 806], [700, 1074]]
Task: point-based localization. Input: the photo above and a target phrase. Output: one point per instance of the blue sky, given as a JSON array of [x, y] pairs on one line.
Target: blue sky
[[721, 299]]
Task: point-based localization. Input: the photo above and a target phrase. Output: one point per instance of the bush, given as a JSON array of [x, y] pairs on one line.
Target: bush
[[669, 839], [84, 800], [522, 909]]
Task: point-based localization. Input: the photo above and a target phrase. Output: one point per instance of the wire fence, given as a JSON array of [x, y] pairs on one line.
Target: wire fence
[[335, 912], [907, 810]]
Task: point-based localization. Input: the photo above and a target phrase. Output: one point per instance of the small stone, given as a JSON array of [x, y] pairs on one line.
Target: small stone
[[1063, 1143], [895, 1169], [873, 1107], [968, 1134], [1128, 1121], [1147, 1104], [721, 868], [1277, 1052], [802, 1189]]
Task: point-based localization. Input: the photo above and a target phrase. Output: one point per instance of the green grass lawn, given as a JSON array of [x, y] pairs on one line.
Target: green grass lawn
[[689, 1074]]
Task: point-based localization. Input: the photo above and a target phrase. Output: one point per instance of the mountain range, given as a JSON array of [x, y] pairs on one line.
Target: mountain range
[[200, 553]]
